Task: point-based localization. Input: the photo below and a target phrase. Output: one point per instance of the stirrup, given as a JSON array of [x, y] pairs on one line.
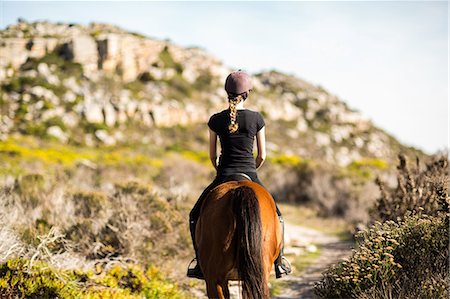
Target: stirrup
[[195, 272], [282, 267]]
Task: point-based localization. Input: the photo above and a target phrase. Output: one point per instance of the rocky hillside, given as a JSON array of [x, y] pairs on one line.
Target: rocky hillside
[[100, 84]]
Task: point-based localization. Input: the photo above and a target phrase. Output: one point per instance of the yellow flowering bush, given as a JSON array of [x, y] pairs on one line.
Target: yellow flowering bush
[[119, 281]]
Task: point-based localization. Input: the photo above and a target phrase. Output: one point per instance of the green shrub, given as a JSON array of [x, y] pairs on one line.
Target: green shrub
[[69, 106], [30, 234], [205, 82], [404, 253], [31, 188], [96, 243], [89, 127], [19, 84], [34, 129], [65, 67], [407, 255], [179, 89], [161, 222], [56, 121], [81, 234], [131, 187], [89, 203], [110, 240], [13, 85], [136, 88], [168, 61]]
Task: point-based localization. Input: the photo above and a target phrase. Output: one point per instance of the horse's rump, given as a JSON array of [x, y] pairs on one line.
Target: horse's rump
[[238, 236]]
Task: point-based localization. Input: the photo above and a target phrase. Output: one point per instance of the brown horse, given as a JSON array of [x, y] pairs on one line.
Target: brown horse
[[238, 238]]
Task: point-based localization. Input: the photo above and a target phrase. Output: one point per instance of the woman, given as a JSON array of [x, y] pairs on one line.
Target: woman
[[236, 128]]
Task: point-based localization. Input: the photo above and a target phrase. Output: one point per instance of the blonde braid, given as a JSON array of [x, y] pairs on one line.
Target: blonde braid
[[233, 127]]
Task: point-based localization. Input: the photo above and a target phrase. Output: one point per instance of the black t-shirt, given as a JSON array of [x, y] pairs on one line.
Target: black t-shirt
[[237, 148]]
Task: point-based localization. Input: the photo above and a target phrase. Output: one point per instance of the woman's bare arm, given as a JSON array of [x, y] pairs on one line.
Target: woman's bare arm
[[261, 144], [213, 148]]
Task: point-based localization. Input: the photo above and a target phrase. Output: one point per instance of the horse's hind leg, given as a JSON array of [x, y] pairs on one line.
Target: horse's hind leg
[[225, 290], [216, 290]]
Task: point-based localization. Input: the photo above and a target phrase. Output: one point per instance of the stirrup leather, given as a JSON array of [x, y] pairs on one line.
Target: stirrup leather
[[193, 260], [282, 265]]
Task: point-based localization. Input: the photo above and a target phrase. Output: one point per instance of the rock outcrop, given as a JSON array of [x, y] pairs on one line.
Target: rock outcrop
[[96, 47]]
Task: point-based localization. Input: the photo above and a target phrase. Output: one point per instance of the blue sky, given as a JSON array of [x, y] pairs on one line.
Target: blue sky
[[388, 60]]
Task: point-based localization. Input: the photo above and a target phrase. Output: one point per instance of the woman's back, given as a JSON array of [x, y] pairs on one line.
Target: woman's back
[[236, 128], [237, 147]]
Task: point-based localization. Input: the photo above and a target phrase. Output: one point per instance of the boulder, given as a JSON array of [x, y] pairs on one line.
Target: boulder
[[108, 52], [43, 69], [109, 115], [58, 133], [69, 97], [128, 64], [322, 139], [47, 94], [13, 52], [71, 84], [104, 137], [39, 46], [92, 110], [71, 119], [85, 52]]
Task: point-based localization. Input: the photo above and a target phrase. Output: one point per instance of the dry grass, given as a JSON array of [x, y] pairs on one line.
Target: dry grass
[[421, 188], [85, 229]]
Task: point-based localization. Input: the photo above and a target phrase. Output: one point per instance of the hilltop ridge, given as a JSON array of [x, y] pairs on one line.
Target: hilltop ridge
[[100, 83]]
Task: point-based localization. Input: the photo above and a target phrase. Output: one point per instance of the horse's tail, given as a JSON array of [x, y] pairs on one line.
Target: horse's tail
[[248, 234]]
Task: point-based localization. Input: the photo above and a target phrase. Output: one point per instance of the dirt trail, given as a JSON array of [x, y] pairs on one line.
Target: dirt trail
[[301, 285]]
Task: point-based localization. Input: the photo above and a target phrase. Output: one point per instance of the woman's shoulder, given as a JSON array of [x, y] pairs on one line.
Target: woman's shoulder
[[257, 118], [219, 114], [217, 119], [253, 113]]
